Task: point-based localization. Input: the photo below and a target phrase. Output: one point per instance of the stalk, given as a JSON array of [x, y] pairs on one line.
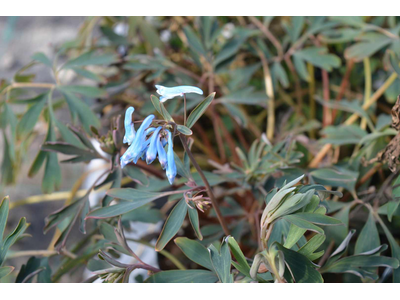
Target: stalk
[[208, 187]]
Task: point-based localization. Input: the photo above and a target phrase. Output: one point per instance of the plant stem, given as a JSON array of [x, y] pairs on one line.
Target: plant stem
[[327, 114], [209, 191], [367, 89], [343, 85], [311, 92], [163, 252], [32, 253], [269, 90]]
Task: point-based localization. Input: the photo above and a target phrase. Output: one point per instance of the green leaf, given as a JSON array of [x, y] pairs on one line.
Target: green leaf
[[373, 136], [89, 58], [12, 238], [299, 222], [4, 271], [183, 276], [52, 172], [89, 75], [151, 35], [194, 220], [172, 224], [184, 130], [136, 175], [229, 49], [31, 117], [68, 136], [167, 117], [301, 68], [67, 149], [62, 214], [364, 49], [35, 266], [156, 103], [355, 264], [394, 62], [88, 91], [395, 251], [84, 112], [369, 236], [280, 74], [298, 23], [319, 219], [318, 57], [199, 110], [132, 199], [221, 261], [295, 233], [312, 245], [241, 265], [337, 178], [41, 57], [341, 249], [342, 135], [130, 194], [194, 251], [301, 268], [37, 163], [145, 214], [4, 210], [194, 42]]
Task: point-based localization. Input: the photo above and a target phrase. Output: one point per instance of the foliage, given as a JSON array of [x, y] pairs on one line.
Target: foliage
[[277, 150]]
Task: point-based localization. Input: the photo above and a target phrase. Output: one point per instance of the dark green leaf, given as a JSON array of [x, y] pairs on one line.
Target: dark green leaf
[[184, 130], [199, 110], [88, 91], [319, 57], [301, 268], [89, 58], [84, 112], [195, 252], [172, 224], [4, 271], [221, 261], [369, 236], [194, 42], [194, 220], [31, 117], [299, 222], [241, 265], [183, 276]]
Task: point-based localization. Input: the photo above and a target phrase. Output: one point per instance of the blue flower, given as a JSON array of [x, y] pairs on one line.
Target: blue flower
[[162, 155], [139, 143], [171, 166], [129, 127], [149, 148], [151, 153], [172, 92]]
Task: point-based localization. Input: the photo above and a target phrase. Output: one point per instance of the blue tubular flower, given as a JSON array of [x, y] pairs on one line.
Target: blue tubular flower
[[127, 157], [140, 139], [171, 166], [151, 153], [129, 127], [172, 92], [162, 155]]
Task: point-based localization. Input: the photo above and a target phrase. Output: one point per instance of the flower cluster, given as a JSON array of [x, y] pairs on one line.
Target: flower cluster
[[147, 143]]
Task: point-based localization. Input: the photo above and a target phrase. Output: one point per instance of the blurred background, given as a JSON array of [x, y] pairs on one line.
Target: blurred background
[[20, 38]]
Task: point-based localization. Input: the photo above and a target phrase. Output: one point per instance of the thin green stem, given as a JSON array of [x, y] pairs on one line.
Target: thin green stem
[[208, 187], [165, 253]]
